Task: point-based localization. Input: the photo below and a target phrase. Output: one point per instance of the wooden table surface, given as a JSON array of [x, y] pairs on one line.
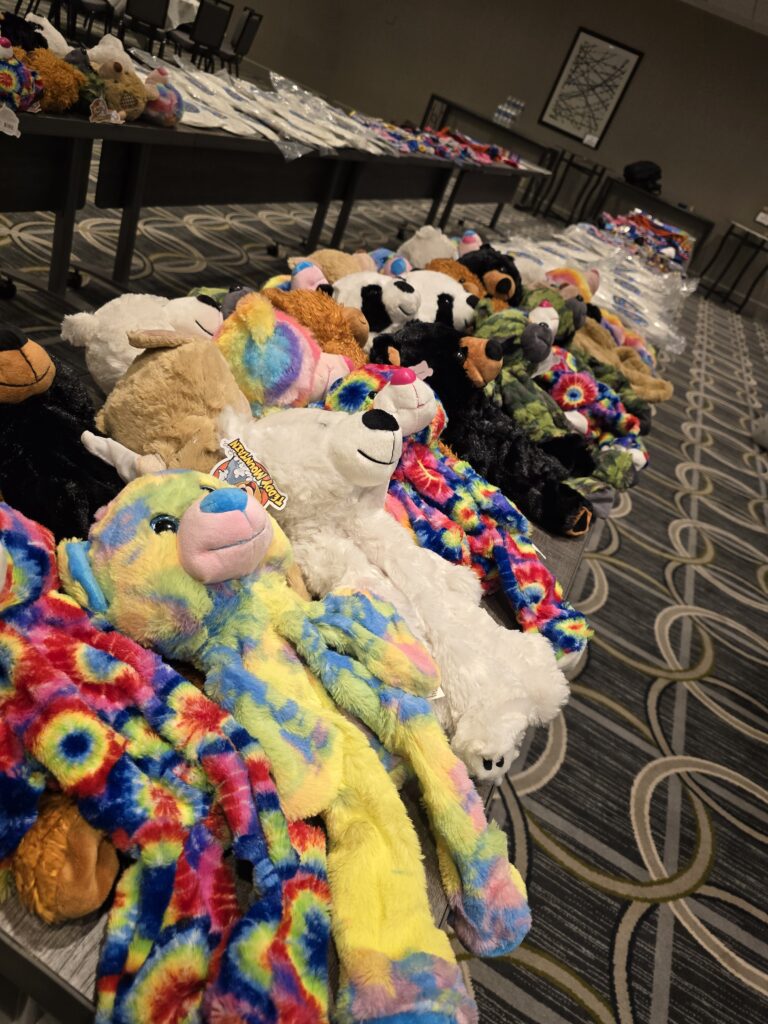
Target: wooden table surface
[[57, 965]]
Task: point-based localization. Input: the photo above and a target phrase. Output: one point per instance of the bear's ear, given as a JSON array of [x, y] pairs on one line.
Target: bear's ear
[[160, 339], [77, 577], [385, 350]]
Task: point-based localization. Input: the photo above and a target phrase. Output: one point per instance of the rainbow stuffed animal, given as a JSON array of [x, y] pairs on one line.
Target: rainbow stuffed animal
[[173, 780], [197, 569], [275, 361]]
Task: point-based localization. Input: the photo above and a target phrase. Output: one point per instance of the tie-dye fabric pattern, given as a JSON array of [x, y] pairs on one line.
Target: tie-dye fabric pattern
[[161, 769], [255, 639]]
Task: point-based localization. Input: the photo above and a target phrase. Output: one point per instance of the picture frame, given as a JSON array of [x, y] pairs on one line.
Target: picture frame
[[588, 89]]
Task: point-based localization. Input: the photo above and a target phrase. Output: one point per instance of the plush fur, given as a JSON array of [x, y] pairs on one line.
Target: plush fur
[[44, 469], [275, 662], [500, 277], [462, 275], [456, 513], [274, 359], [59, 80], [173, 781], [335, 469], [124, 91], [442, 299], [427, 244], [485, 435], [386, 302], [168, 402], [104, 333], [335, 264], [338, 330], [596, 341]]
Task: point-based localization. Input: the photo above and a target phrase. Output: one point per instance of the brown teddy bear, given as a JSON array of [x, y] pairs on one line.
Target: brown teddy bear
[[61, 82], [63, 868], [338, 330], [124, 91]]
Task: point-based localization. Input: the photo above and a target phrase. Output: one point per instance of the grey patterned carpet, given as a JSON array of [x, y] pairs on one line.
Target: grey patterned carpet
[[640, 821]]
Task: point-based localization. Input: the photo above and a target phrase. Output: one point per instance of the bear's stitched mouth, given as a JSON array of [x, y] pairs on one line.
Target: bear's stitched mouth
[[240, 543], [378, 462], [204, 329]]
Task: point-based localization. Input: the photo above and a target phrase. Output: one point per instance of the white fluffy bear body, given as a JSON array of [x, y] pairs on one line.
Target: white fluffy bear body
[[334, 469], [104, 333]]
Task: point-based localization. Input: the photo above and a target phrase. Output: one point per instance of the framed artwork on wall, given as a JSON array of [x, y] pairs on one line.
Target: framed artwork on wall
[[589, 87]]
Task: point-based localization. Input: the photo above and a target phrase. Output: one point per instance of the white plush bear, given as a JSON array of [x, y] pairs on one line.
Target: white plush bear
[[386, 302], [428, 244], [443, 300], [335, 469], [104, 333]]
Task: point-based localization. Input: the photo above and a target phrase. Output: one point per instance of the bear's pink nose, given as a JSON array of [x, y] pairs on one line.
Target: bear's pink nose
[[223, 536]]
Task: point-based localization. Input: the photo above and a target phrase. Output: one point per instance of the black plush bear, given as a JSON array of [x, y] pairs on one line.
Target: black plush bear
[[45, 472], [479, 431], [498, 272], [21, 32]]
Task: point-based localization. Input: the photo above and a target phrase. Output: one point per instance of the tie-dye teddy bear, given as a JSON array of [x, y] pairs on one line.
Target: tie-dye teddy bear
[[197, 570]]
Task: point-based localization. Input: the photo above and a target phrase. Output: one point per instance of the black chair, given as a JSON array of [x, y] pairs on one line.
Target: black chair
[[242, 40], [93, 9], [204, 39], [147, 18]]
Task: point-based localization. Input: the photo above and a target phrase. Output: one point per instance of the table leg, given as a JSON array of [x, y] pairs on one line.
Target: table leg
[[71, 19], [439, 194], [138, 162], [322, 207], [496, 214], [719, 249], [75, 172], [758, 277], [346, 207], [728, 265], [755, 250], [452, 200]]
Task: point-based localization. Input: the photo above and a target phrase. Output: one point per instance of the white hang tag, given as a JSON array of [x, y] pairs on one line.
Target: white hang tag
[[9, 123]]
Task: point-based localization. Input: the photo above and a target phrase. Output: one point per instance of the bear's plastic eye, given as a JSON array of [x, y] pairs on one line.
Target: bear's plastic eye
[[164, 523], [461, 355], [372, 394], [487, 763]]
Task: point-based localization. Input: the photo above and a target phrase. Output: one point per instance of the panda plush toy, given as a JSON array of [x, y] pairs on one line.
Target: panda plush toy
[[443, 300], [386, 302]]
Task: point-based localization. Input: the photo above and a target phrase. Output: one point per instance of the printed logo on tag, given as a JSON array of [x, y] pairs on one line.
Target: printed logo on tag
[[242, 469], [101, 114]]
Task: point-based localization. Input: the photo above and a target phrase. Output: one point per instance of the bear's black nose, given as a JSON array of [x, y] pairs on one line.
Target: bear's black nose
[[404, 286], [504, 285], [11, 339], [472, 300], [377, 419], [493, 349]]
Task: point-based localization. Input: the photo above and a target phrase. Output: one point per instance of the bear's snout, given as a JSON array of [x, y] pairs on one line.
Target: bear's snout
[[223, 536], [493, 349], [377, 419]]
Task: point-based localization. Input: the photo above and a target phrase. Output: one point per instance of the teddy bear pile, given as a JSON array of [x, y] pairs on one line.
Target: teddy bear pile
[[241, 601], [40, 71]]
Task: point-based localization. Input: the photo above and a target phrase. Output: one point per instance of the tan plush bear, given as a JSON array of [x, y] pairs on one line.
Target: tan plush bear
[[168, 403], [124, 91]]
